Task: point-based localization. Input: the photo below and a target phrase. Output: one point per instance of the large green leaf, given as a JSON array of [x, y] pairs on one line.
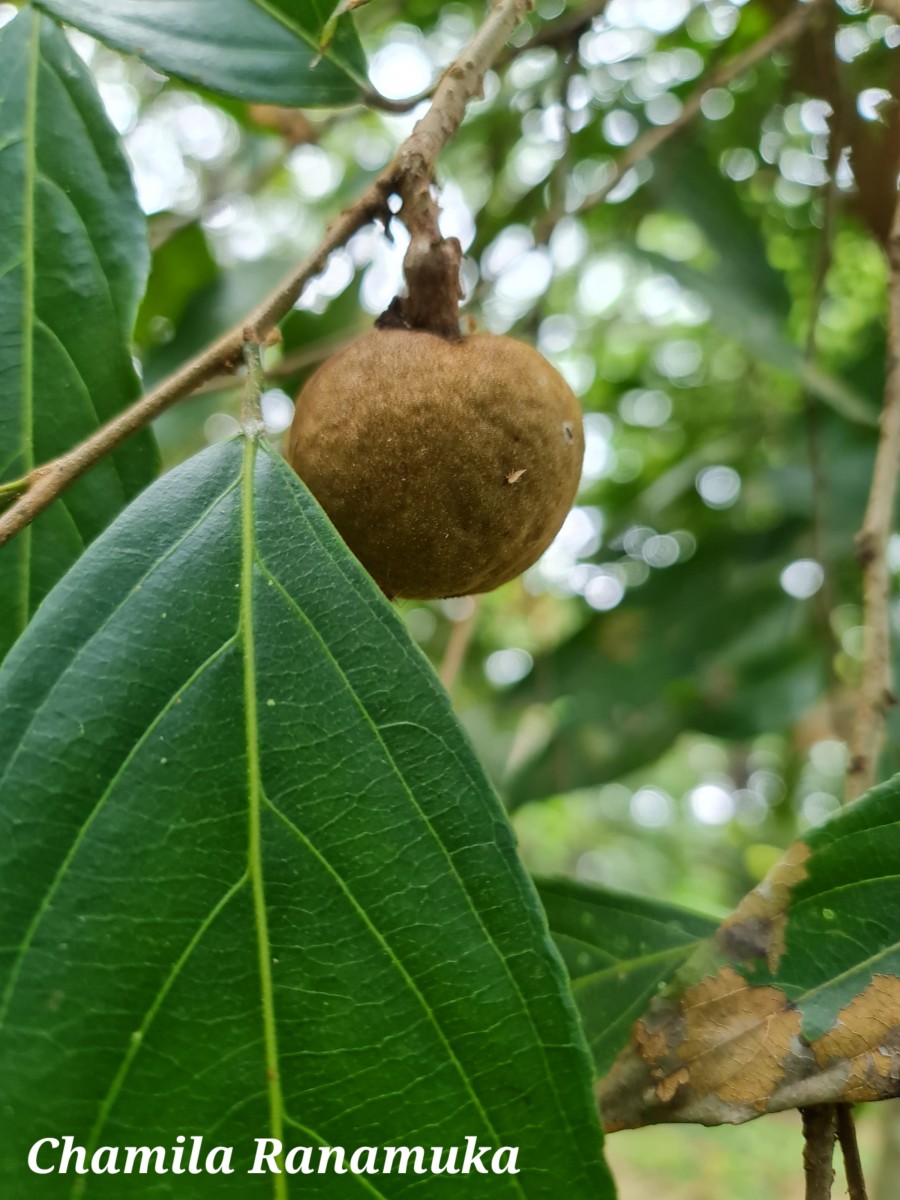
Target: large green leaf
[[619, 950], [254, 49], [254, 882], [73, 262], [794, 1001]]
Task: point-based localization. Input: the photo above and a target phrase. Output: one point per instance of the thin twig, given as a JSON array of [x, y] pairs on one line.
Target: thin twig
[[876, 694], [46, 483], [307, 356], [824, 33], [457, 646], [411, 171], [782, 34], [818, 1150], [846, 1132]]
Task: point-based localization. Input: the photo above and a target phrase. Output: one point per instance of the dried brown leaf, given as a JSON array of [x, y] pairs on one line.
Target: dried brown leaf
[[756, 928], [724, 1050]]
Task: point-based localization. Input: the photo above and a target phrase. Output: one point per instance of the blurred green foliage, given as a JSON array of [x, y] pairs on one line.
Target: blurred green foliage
[[663, 700]]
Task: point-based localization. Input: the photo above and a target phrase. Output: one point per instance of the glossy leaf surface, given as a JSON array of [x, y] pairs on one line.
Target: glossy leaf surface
[[254, 49], [619, 950], [73, 262]]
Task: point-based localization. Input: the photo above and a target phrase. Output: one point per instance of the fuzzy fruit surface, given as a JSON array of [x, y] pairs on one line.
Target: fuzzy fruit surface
[[447, 467]]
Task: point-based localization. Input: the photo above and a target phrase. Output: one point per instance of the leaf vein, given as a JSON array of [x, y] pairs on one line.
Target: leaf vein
[[104, 625], [137, 1038], [47, 899]]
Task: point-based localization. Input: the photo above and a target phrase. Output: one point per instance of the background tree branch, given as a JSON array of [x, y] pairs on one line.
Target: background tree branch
[[876, 693], [781, 35], [846, 1135], [818, 1152]]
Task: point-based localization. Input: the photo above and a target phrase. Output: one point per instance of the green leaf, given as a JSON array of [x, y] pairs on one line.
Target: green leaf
[[182, 266], [259, 50], [253, 879], [619, 950], [795, 1000], [73, 262], [214, 304]]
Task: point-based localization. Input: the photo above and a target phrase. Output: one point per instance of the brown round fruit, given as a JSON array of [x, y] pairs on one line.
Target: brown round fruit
[[447, 467]]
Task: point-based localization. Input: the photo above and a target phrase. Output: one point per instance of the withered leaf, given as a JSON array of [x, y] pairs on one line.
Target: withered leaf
[[795, 1000]]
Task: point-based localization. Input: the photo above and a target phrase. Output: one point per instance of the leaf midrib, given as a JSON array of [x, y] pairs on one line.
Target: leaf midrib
[[328, 54], [628, 964], [254, 790]]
